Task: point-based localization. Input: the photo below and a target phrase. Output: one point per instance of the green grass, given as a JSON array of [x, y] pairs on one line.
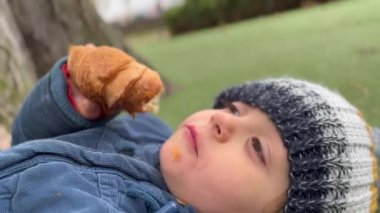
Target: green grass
[[337, 45]]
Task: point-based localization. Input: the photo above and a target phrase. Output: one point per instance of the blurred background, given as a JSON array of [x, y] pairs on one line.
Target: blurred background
[[199, 46]]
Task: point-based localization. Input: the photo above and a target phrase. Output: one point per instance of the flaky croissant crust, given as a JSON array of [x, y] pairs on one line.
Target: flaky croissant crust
[[114, 79]]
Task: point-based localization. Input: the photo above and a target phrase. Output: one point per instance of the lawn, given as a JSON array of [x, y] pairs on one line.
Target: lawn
[[337, 45]]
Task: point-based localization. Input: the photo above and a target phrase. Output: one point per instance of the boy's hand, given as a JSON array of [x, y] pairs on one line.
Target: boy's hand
[[84, 106]]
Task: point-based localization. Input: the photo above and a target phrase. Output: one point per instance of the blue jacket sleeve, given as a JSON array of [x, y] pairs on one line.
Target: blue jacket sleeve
[[47, 112]]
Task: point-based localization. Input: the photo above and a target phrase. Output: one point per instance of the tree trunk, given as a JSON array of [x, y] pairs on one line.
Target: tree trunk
[[50, 26], [16, 70]]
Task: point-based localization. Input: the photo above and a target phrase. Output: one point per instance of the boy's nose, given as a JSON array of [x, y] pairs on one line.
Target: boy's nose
[[222, 127]]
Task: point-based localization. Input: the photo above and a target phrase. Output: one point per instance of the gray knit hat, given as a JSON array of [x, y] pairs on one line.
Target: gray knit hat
[[330, 149]]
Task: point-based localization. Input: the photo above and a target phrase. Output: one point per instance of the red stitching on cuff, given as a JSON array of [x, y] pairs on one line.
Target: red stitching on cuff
[[70, 93]]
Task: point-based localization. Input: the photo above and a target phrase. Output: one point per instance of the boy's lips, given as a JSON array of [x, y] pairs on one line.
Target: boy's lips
[[193, 137]]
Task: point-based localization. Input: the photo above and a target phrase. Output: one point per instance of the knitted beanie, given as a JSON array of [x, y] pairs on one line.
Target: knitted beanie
[[330, 149]]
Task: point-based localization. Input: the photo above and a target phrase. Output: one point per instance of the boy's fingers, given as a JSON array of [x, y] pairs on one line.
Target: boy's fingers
[[87, 108]]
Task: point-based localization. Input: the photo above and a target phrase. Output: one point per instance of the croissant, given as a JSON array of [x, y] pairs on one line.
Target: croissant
[[114, 79]]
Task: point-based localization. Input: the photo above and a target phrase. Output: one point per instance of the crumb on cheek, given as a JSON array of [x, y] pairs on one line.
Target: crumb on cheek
[[176, 154]]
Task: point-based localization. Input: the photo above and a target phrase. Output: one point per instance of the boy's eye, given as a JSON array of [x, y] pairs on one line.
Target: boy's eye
[[257, 147], [232, 108]]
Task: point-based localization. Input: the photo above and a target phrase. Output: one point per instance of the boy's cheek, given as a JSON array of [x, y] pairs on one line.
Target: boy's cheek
[[176, 153], [171, 167], [170, 157], [170, 153]]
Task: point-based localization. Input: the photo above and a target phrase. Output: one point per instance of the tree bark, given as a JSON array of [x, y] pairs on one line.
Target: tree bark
[[16, 70], [50, 26]]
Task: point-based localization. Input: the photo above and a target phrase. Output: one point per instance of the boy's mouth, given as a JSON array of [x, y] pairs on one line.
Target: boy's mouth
[[193, 137]]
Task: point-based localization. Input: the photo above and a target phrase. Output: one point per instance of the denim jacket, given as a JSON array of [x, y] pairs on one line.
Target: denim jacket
[[61, 162]]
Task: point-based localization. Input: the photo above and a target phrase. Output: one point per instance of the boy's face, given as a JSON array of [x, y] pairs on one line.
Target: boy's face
[[226, 160]]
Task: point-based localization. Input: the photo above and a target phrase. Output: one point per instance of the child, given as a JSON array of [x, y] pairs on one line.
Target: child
[[274, 145]]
